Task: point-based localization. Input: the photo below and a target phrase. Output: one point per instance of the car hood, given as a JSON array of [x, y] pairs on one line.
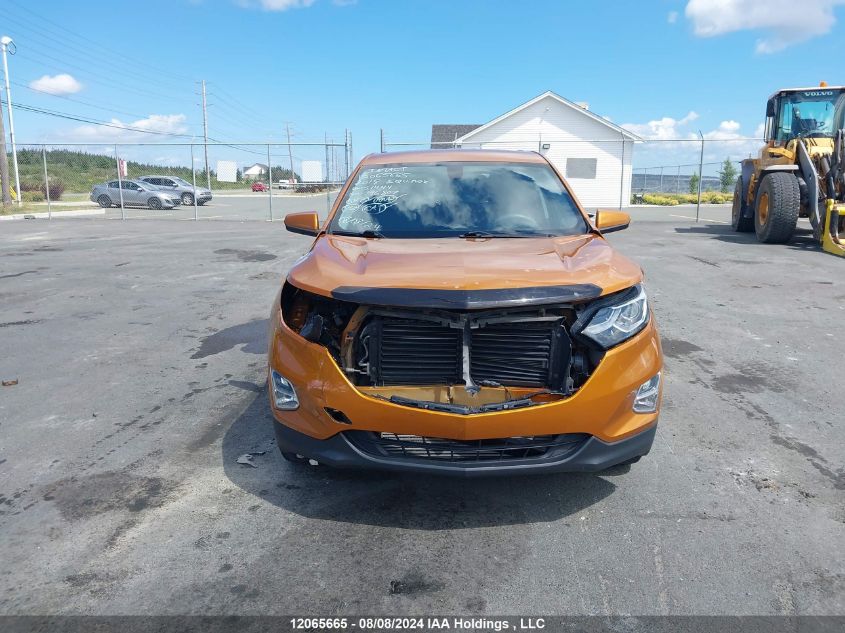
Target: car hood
[[469, 273]]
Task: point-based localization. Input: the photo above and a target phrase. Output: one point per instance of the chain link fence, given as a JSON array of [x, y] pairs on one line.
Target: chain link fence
[[229, 181], [623, 171], [265, 181]]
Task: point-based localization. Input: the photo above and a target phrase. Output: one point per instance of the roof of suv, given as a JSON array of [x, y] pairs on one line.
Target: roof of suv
[[454, 155]]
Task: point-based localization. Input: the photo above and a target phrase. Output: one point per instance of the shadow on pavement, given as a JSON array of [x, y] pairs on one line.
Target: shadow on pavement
[[802, 239], [391, 499]]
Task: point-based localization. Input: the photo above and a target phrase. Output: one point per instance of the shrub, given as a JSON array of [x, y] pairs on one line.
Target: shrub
[[31, 185], [57, 188], [665, 201], [671, 199], [31, 196]]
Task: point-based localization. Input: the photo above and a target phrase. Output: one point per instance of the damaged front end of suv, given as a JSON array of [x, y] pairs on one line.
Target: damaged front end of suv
[[462, 361], [441, 375]]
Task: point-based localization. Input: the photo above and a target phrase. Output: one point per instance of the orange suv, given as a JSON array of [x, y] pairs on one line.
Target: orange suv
[[460, 313]]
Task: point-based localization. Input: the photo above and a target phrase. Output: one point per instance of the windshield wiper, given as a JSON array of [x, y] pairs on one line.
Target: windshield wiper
[[368, 233], [477, 234]]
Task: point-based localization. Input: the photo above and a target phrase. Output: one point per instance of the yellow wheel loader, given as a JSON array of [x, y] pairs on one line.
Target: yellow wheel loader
[[800, 171]]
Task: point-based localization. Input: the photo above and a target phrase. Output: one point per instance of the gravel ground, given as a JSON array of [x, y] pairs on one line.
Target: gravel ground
[[139, 350]]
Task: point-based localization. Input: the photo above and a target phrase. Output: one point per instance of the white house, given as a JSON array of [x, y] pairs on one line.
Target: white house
[[591, 152], [256, 171]]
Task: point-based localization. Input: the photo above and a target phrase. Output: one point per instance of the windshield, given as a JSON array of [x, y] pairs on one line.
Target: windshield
[[184, 183], [808, 112], [452, 199]]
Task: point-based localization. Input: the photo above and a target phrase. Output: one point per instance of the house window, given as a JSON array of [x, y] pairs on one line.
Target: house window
[[581, 168]]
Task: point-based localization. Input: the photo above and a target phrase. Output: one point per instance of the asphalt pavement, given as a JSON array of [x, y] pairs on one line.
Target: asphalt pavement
[[139, 354]]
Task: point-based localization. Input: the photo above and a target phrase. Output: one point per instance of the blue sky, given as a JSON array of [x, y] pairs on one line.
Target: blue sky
[[401, 65]]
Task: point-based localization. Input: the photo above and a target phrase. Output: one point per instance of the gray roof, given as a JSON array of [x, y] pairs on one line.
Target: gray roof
[[441, 134]]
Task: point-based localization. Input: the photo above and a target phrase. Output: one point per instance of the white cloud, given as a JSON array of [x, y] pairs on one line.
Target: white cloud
[[784, 22], [676, 141], [163, 123], [661, 129], [62, 84], [727, 130], [672, 17]]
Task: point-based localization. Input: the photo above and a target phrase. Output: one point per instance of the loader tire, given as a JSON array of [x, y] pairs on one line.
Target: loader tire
[[776, 209], [739, 222]]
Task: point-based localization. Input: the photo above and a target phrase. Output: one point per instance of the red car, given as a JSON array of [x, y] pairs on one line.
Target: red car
[[260, 186]]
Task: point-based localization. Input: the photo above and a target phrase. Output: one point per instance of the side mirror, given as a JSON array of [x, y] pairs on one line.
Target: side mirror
[[770, 108], [610, 220], [306, 223]]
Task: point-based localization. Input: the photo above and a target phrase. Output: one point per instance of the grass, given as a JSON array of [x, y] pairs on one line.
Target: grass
[[26, 207]]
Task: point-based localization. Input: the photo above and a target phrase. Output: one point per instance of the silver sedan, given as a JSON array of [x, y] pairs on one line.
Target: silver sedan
[[135, 194]]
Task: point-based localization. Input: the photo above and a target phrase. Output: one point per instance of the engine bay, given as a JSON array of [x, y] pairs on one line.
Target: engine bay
[[471, 361]]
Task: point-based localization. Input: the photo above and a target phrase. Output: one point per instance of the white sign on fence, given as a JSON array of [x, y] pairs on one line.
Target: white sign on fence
[[227, 171], [312, 171]]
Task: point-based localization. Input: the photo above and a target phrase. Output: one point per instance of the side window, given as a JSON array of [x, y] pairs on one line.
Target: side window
[[153, 181], [581, 168], [129, 185], [113, 184], [167, 182], [785, 120]]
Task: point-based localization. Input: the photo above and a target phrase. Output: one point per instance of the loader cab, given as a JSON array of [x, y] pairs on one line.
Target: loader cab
[[804, 113]]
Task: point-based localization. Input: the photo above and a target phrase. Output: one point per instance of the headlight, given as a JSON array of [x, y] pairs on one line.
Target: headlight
[[615, 323], [284, 395]]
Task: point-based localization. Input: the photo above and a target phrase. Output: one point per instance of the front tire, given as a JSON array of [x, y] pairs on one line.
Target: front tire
[[187, 199], [777, 207], [104, 201], [154, 203], [739, 222]]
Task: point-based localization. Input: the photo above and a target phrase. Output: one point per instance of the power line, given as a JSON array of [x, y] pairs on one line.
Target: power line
[[234, 113], [86, 42], [81, 102], [236, 104], [63, 66], [97, 64], [65, 115]]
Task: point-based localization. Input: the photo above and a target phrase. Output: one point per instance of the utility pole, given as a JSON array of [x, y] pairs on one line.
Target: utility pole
[[346, 152], [351, 159], [290, 154], [205, 135], [4, 163], [4, 44]]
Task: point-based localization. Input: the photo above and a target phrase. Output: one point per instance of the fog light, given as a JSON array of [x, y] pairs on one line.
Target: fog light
[[284, 395], [646, 399]]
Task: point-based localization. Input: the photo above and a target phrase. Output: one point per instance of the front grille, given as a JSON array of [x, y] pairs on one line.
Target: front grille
[[403, 447], [418, 353]]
